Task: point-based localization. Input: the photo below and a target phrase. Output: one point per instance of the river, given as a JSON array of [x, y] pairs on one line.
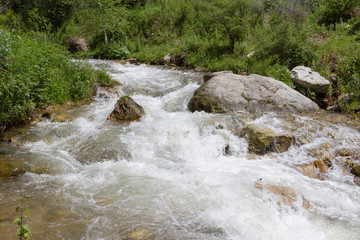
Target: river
[[169, 172]]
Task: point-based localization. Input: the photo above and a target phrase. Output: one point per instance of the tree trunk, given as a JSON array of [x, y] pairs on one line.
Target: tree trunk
[[105, 40]]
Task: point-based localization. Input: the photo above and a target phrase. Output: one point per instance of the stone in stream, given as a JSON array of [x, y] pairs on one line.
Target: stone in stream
[[286, 195], [262, 139], [283, 142], [356, 170], [314, 169], [224, 92], [62, 117], [12, 168], [308, 78], [140, 233], [126, 109], [259, 138]]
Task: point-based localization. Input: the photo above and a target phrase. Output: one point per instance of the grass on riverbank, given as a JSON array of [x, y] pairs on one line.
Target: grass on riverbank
[[215, 35], [36, 72]]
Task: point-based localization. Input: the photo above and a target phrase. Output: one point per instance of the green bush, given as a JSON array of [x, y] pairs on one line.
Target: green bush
[[287, 44], [333, 11], [36, 72]]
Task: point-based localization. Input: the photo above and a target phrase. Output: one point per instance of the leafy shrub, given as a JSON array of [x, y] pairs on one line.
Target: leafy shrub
[[37, 72], [333, 11], [287, 44], [116, 50]]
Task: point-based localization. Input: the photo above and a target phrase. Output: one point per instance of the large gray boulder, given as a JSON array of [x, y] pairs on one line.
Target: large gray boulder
[[308, 78], [224, 92]]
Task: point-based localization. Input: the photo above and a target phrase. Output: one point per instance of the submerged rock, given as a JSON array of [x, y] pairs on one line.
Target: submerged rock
[[284, 142], [308, 78], [140, 233], [313, 170], [62, 117], [12, 168], [287, 196], [224, 92], [126, 109]]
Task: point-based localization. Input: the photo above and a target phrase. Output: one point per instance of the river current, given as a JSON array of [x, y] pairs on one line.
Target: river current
[[170, 172]]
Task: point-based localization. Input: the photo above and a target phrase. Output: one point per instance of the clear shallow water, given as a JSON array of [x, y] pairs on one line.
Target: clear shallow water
[[169, 171]]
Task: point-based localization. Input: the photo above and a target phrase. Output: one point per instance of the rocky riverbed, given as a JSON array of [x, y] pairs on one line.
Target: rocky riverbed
[[177, 174]]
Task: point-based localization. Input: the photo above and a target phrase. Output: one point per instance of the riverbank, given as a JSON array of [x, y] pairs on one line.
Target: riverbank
[[35, 73]]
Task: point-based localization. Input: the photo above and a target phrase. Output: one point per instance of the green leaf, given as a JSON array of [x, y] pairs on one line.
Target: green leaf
[[16, 220], [26, 209], [17, 209]]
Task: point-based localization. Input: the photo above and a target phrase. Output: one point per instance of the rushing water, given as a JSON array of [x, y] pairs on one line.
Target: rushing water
[[169, 171]]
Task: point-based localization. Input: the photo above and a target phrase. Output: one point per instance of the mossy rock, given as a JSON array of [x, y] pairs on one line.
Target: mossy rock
[[62, 117], [356, 170], [12, 169], [202, 102], [140, 233], [260, 138]]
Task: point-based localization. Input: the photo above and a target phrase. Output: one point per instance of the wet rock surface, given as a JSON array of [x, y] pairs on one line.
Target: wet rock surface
[[283, 142], [126, 109], [140, 233], [224, 92], [286, 195], [259, 138], [314, 169], [356, 170], [12, 169], [262, 139]]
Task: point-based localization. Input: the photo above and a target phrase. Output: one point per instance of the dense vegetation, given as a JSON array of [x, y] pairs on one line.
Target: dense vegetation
[[35, 72], [211, 34]]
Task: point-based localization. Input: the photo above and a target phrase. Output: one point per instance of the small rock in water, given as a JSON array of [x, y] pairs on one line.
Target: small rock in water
[[313, 170], [356, 170], [126, 109], [12, 169], [62, 118], [287, 195], [140, 233], [259, 138], [284, 142]]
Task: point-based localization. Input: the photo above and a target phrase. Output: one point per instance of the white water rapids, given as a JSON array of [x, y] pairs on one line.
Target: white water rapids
[[169, 171]]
